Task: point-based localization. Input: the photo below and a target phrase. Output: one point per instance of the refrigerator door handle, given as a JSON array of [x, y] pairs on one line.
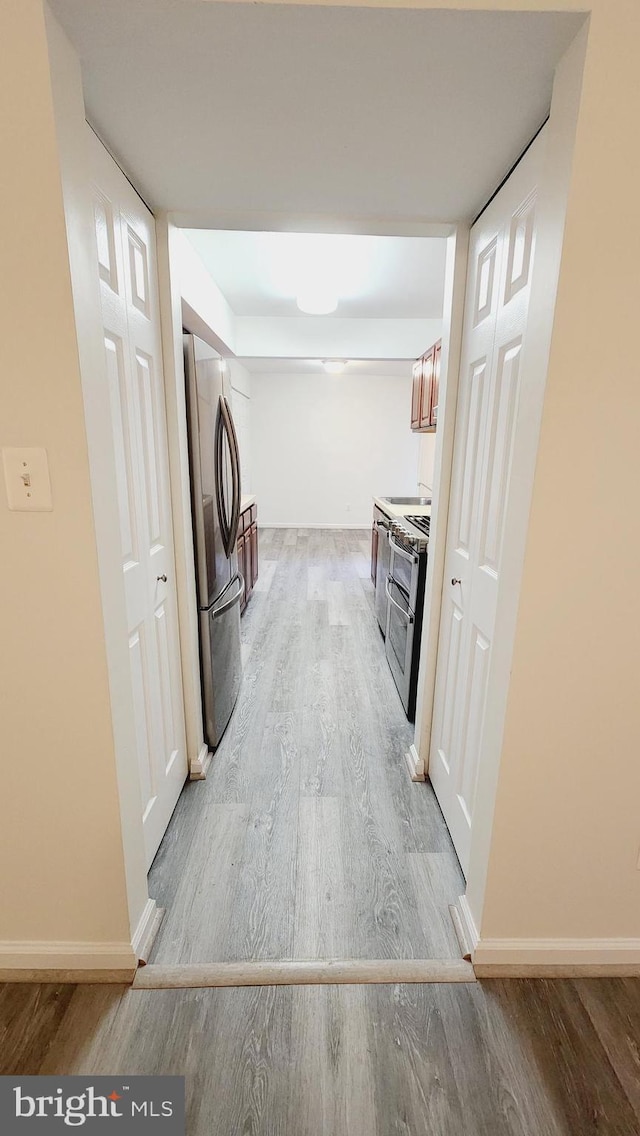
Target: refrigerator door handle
[[228, 523], [235, 473], [234, 599]]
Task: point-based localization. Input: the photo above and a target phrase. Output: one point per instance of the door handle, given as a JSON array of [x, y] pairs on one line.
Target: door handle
[[407, 614], [228, 524], [163, 577], [411, 557], [454, 581], [234, 599]]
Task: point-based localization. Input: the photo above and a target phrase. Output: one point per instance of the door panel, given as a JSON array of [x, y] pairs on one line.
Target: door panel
[[499, 457], [501, 256], [122, 445], [170, 746], [141, 708], [485, 288], [452, 640], [519, 257], [126, 266], [473, 409], [471, 720]]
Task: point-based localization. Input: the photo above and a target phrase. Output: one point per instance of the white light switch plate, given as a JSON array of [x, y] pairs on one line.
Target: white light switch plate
[[26, 474]]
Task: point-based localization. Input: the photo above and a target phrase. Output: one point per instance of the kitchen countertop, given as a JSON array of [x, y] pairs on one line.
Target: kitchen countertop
[[246, 500], [402, 510]]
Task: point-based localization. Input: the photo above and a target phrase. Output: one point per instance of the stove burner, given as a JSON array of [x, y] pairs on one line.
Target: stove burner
[[422, 523]]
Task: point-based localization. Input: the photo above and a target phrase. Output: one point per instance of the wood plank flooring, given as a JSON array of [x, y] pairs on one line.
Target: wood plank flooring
[[308, 839], [493, 1058]]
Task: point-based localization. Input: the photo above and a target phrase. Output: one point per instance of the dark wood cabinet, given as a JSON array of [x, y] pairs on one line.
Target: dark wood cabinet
[[435, 384], [247, 548], [253, 543], [374, 551], [416, 394], [241, 569], [377, 515], [425, 390]]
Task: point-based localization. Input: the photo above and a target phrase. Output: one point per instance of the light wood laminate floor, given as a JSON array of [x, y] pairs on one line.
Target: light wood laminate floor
[[510, 1058], [308, 839]]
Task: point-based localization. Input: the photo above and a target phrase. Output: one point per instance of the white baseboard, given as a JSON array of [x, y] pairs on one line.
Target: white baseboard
[[198, 766], [469, 931], [66, 962], [461, 932], [146, 930], [311, 525], [558, 958], [415, 764]]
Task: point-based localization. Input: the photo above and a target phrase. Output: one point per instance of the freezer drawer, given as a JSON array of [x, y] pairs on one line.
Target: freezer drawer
[[221, 659]]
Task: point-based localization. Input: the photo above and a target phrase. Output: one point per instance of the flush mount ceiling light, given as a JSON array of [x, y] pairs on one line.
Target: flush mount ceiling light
[[317, 301], [334, 366]]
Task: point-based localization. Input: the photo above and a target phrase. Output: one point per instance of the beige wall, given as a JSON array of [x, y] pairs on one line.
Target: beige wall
[[60, 834]]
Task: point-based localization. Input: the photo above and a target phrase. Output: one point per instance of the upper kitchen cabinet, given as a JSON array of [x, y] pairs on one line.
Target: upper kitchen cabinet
[[435, 384], [416, 395], [425, 390]]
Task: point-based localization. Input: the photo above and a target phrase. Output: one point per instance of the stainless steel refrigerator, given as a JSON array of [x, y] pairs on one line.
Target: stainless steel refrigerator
[[214, 463]]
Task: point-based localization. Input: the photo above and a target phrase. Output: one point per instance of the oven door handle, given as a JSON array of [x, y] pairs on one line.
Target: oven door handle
[[411, 557], [407, 614]]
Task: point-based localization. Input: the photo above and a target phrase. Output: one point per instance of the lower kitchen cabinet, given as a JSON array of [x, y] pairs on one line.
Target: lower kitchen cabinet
[[248, 551], [377, 516]]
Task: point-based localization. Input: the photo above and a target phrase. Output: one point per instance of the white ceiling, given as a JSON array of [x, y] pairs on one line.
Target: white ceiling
[[288, 110], [374, 277], [400, 368]]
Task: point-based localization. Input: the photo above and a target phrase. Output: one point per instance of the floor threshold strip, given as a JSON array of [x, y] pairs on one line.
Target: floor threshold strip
[[306, 972]]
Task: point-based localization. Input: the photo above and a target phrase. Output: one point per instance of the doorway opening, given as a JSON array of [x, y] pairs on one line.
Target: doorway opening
[[309, 840], [179, 190]]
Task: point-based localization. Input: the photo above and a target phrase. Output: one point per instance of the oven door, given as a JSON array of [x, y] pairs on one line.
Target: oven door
[[399, 638], [404, 568]]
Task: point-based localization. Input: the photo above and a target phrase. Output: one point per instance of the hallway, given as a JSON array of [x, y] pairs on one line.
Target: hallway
[[308, 839]]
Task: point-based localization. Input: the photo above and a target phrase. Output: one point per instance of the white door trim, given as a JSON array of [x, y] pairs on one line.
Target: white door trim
[[452, 328], [198, 753]]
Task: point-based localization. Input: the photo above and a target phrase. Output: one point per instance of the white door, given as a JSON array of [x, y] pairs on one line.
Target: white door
[[497, 299], [131, 319]]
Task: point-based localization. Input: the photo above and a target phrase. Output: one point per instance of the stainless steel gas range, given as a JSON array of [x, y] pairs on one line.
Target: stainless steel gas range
[[400, 583]]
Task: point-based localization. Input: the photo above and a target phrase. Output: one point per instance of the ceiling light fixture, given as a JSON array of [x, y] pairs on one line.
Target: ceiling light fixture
[[317, 301], [334, 366]]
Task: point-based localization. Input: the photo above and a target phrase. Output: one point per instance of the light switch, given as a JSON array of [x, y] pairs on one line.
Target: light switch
[[26, 474]]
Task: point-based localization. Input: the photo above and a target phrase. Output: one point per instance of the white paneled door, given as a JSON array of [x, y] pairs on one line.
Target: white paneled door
[[501, 255], [126, 247]]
